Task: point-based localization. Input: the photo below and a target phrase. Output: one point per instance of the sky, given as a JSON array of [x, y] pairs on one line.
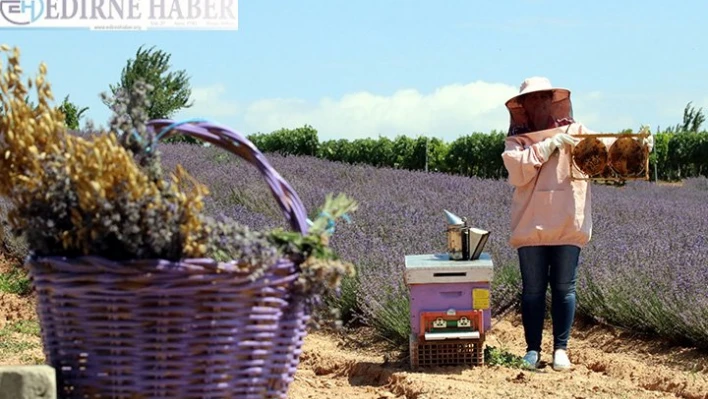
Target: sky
[[370, 68]]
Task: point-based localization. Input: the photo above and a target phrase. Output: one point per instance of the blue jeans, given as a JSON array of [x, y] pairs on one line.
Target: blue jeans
[[539, 266]]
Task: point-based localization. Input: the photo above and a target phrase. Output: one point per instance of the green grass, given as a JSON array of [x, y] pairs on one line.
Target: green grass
[[29, 327], [494, 356], [14, 342], [15, 282]]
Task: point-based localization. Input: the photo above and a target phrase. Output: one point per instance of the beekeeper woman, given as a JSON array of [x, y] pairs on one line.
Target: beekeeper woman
[[550, 214]]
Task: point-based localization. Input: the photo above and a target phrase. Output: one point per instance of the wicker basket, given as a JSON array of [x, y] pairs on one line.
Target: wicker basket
[[160, 329]]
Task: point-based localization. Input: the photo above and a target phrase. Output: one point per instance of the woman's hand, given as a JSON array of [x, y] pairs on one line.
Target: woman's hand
[[649, 142], [547, 146]]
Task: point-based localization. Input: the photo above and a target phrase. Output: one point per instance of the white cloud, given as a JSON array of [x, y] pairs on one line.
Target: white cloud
[[447, 112], [209, 100]]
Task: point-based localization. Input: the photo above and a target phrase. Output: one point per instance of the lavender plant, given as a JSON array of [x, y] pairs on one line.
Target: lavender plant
[[105, 194], [73, 196], [645, 267]]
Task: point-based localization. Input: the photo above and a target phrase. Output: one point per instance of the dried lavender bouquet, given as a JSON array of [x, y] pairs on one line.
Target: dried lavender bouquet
[[106, 195]]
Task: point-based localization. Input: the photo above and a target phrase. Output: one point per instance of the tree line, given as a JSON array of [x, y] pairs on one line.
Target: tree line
[[678, 153]]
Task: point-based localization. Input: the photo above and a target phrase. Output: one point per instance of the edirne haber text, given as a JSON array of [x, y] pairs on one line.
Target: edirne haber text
[[132, 9]]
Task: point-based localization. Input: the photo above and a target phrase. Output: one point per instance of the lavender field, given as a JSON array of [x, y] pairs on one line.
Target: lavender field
[[646, 267]]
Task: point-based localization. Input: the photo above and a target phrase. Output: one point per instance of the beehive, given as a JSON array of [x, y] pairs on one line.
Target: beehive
[[454, 288]]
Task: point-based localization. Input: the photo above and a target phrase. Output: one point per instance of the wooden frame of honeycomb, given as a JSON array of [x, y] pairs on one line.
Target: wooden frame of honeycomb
[[616, 167]]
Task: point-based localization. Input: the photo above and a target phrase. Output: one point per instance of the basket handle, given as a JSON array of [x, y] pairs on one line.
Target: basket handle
[[238, 144]]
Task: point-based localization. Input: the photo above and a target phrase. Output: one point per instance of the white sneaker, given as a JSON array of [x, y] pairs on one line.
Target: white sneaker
[[531, 360], [560, 360]]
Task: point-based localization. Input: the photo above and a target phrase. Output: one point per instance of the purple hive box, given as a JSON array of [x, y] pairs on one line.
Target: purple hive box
[[437, 283]]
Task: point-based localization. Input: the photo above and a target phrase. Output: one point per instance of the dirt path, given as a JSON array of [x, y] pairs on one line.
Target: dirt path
[[608, 364]]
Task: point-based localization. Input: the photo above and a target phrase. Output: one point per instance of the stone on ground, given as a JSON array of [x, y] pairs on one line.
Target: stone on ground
[[27, 382]]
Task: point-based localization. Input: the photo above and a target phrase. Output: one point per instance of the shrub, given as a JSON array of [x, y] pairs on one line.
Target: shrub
[[675, 156]]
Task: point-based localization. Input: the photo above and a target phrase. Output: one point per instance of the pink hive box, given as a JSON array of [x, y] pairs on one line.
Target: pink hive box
[[437, 283]]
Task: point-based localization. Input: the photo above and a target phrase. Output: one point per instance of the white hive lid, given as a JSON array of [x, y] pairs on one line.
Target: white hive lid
[[439, 268]]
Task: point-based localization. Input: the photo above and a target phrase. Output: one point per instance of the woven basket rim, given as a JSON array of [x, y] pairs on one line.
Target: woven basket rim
[[97, 264]]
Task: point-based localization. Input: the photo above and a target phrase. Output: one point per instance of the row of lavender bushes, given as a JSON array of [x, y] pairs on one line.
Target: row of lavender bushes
[[646, 267]]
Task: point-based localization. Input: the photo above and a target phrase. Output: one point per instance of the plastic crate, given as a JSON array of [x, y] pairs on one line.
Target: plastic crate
[[456, 352]]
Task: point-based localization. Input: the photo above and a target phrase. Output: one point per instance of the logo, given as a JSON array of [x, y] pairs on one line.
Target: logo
[[21, 12], [120, 14]]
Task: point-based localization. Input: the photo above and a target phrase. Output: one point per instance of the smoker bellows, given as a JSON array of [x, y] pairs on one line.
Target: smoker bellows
[[464, 242]]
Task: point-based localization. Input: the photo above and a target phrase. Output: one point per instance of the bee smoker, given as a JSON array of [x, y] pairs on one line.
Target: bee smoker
[[457, 237]]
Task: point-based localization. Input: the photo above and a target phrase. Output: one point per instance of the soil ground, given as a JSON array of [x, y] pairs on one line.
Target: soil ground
[[608, 363]]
